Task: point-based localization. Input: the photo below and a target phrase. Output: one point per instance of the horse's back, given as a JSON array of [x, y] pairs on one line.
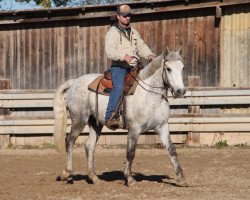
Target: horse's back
[[78, 93], [80, 84]]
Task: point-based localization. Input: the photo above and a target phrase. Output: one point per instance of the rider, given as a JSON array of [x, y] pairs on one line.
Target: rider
[[123, 45]]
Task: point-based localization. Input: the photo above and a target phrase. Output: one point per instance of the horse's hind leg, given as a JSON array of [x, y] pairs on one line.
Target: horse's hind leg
[[163, 132], [94, 134], [130, 154], [76, 128]]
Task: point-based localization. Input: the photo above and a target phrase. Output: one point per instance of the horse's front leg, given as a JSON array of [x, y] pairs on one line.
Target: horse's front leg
[[163, 132], [130, 154]]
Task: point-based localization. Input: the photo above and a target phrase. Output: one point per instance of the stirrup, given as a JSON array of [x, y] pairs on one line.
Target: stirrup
[[113, 123]]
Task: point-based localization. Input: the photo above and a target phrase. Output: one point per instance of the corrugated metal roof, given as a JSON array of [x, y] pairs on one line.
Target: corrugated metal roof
[[104, 11]]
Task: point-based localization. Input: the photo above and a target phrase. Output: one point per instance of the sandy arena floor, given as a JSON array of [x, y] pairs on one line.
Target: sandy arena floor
[[211, 173]]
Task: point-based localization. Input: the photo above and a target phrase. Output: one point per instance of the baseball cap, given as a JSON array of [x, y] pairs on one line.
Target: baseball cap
[[124, 10]]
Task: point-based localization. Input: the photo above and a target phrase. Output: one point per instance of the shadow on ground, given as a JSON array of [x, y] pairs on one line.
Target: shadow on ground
[[118, 176]]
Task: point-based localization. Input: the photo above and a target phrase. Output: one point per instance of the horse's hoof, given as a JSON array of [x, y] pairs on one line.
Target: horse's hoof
[[94, 179], [182, 183], [64, 175], [70, 180], [130, 181]]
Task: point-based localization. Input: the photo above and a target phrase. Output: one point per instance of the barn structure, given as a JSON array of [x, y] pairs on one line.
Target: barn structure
[[40, 49]]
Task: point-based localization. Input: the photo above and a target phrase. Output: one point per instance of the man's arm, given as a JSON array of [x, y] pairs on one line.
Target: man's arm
[[143, 50], [111, 46]]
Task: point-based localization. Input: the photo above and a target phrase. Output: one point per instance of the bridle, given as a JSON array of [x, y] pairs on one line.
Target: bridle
[[165, 87]]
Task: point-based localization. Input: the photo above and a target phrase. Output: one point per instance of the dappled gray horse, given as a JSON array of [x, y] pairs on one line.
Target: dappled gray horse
[[147, 109]]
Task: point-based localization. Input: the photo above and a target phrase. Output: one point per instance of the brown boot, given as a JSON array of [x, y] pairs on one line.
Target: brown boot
[[113, 123]]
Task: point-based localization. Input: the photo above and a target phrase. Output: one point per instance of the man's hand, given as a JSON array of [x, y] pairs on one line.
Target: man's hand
[[150, 57], [128, 58], [131, 60]]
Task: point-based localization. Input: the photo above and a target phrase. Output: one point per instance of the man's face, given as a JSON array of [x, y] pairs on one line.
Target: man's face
[[124, 19]]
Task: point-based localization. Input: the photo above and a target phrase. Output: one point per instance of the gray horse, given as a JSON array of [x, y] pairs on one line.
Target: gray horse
[[147, 109]]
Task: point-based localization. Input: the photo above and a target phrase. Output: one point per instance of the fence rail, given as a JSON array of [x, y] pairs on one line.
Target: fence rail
[[180, 122], [43, 99]]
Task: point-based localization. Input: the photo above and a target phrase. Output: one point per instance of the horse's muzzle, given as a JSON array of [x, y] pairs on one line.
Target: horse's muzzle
[[179, 92]]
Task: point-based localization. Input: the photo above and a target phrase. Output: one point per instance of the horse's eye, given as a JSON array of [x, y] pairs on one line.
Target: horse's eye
[[183, 68], [169, 70]]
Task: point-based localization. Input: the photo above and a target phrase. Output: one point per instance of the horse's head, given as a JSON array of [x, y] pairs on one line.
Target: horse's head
[[173, 72]]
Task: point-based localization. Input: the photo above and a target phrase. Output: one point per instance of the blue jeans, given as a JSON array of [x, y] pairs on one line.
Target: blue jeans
[[118, 77]]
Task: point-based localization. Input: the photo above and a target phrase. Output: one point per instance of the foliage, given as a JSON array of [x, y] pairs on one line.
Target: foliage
[[242, 145], [46, 3], [58, 3], [43, 3], [221, 144]]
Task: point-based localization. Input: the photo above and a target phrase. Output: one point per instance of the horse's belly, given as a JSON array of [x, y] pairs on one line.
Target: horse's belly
[[148, 117]]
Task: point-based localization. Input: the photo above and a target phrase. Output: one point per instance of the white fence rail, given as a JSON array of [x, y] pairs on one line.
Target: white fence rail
[[193, 122]]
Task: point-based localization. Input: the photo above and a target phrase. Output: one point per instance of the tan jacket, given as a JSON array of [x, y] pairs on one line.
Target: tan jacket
[[117, 45]]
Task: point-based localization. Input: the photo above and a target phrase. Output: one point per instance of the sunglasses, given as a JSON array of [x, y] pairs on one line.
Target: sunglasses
[[125, 15]]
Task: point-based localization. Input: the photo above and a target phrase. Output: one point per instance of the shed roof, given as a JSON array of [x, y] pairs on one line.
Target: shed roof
[[107, 11]]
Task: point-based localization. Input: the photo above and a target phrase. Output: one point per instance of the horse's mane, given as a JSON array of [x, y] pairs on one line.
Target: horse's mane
[[156, 63], [151, 68]]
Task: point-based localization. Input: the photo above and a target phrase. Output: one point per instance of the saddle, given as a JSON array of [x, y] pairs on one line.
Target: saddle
[[103, 83]]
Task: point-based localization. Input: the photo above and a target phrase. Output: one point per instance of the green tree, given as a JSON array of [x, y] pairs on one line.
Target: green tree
[[57, 3], [43, 3], [47, 3]]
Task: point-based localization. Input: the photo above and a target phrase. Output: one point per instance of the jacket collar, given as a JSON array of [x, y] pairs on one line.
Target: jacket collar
[[123, 30]]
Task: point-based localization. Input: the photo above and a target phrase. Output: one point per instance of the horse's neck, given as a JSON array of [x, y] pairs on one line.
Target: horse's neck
[[151, 77], [151, 68], [152, 73]]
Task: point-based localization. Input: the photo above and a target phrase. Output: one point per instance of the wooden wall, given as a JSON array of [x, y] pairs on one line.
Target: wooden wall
[[44, 55]]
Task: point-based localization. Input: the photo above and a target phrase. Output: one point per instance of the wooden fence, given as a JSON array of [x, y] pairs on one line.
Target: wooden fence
[[201, 111]]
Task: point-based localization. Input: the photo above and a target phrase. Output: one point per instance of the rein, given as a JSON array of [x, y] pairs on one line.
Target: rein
[[151, 86]]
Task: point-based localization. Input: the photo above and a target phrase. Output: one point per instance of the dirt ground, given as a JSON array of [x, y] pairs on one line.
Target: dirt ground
[[211, 173]]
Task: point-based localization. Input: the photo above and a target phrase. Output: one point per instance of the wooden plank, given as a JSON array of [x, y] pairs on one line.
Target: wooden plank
[[47, 129], [36, 94], [211, 127], [215, 97], [4, 139], [26, 103], [23, 96], [201, 91], [199, 124], [229, 100], [4, 84], [218, 120], [217, 93], [218, 13], [46, 103], [20, 121]]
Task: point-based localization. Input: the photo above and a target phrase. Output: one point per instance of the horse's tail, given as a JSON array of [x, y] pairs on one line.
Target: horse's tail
[[60, 115]]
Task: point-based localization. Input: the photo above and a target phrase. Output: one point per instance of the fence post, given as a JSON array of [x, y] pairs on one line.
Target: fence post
[[4, 139], [193, 137]]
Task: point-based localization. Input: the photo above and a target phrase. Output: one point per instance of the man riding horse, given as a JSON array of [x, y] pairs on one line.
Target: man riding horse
[[124, 46], [151, 112]]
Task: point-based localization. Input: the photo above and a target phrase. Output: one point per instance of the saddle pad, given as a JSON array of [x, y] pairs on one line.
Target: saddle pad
[[97, 83]]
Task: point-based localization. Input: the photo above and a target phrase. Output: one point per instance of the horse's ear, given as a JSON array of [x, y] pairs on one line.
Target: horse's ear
[[179, 50], [166, 51]]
